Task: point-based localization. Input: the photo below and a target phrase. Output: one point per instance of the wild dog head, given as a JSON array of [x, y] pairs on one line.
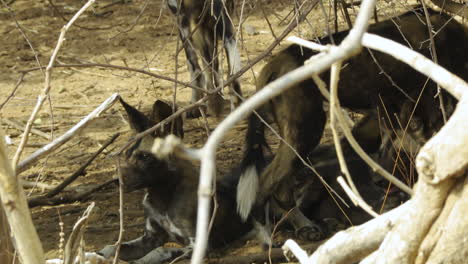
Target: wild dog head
[[139, 165]]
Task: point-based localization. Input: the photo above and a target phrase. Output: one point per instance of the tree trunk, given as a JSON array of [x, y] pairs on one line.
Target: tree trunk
[[6, 247]]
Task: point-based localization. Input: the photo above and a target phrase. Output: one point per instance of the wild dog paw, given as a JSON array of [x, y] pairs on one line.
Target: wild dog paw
[[108, 251], [310, 233]]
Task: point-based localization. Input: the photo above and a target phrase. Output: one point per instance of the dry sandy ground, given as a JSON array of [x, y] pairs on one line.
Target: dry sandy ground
[[118, 34]]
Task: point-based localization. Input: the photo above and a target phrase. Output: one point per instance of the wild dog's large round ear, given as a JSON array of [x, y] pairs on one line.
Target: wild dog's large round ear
[[138, 121], [161, 110]]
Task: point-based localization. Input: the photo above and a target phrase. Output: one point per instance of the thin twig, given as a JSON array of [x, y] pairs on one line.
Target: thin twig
[[358, 200], [43, 96], [29, 161], [12, 94], [82, 169], [102, 65], [69, 197], [21, 127], [334, 106], [20, 29]]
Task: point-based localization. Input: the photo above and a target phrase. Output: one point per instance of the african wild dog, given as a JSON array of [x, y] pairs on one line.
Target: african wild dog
[[322, 205], [301, 119], [201, 24], [170, 203]]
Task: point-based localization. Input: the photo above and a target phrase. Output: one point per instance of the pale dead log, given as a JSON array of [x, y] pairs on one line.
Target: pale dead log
[[452, 245], [40, 153], [439, 225], [14, 202], [446, 154], [353, 244], [402, 243], [447, 147]]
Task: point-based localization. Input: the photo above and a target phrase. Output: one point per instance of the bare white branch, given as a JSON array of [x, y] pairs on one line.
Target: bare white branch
[[291, 246], [45, 92], [40, 153]]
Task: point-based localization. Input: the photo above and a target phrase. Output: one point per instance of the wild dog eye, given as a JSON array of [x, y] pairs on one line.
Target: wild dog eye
[[146, 156]]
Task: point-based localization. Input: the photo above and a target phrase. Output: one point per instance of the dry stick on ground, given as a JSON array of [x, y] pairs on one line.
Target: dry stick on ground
[[16, 209], [70, 197], [21, 127], [74, 176], [101, 65], [45, 92], [350, 46], [82, 169], [47, 149]]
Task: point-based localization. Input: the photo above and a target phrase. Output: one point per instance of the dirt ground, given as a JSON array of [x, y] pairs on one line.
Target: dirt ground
[[138, 34]]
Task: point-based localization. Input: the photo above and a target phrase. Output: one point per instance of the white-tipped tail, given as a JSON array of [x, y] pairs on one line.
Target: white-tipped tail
[[247, 191]]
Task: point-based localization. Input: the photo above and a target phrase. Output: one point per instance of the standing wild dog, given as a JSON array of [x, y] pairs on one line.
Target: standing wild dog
[[170, 203], [301, 119], [201, 24]]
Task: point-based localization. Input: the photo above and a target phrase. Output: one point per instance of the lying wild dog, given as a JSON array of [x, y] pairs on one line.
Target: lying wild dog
[[170, 203], [317, 202], [201, 24], [300, 116], [312, 197]]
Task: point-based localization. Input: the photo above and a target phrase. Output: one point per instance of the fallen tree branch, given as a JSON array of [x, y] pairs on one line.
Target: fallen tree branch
[[21, 127], [47, 149], [82, 169], [71, 197]]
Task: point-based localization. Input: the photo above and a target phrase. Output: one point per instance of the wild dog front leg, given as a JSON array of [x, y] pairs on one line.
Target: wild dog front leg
[[304, 228], [196, 75], [135, 249], [161, 254], [234, 61]]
